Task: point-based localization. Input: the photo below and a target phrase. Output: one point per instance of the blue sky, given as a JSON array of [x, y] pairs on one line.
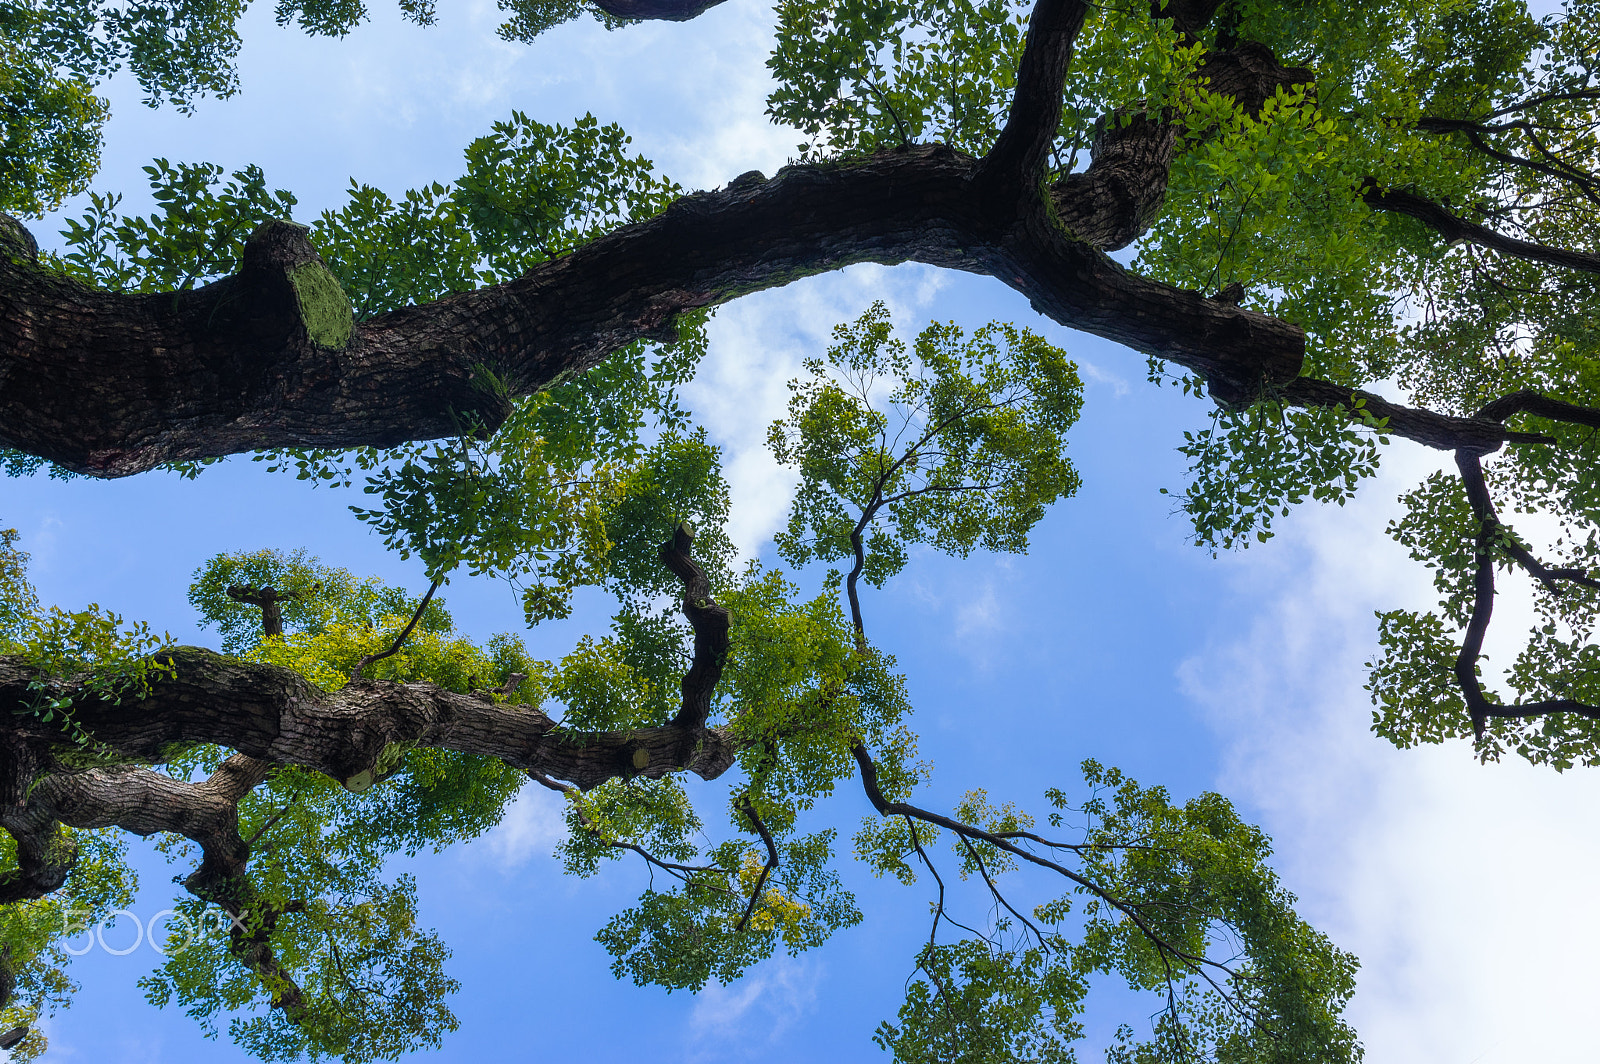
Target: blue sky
[[1113, 638]]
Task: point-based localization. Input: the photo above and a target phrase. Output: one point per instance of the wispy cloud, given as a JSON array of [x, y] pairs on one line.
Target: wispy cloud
[[1458, 885], [1093, 374], [757, 345], [745, 1020], [531, 828]]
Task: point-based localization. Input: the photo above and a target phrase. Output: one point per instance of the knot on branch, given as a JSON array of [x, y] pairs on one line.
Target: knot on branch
[[1251, 74], [16, 241], [282, 265], [269, 600], [1116, 199]]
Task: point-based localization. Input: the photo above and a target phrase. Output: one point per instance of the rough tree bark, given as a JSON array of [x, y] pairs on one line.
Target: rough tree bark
[[273, 718], [113, 384]]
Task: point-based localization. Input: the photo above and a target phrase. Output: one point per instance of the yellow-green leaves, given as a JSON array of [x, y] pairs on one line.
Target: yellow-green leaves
[[799, 693]]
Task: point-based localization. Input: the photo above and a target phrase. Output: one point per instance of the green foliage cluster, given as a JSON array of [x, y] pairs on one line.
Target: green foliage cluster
[[53, 56], [1199, 920], [955, 442], [72, 655], [44, 934], [1254, 465]]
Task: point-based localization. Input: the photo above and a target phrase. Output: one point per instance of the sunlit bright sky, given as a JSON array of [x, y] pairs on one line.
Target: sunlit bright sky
[[1461, 887]]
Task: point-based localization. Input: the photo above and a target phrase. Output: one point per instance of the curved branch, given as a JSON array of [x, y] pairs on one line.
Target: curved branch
[[679, 871], [710, 623], [1195, 962], [1557, 168], [1456, 230], [112, 384], [749, 808], [1466, 663], [399, 640], [1549, 97], [1540, 405]]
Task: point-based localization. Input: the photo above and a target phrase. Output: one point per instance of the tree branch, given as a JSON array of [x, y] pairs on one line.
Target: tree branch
[[1194, 962], [656, 10], [269, 600], [1456, 230], [276, 716], [1480, 434], [112, 384], [1557, 167], [766, 869], [1466, 663], [1019, 156], [679, 871], [710, 623], [1112, 202], [399, 640]]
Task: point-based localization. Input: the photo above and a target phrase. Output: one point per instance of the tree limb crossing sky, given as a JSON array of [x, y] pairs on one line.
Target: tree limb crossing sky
[[1113, 639]]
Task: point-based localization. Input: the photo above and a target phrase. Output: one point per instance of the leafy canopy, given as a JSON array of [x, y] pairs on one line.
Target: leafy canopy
[[953, 440]]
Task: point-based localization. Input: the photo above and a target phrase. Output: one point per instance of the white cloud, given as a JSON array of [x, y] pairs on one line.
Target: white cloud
[[1093, 374], [531, 828], [757, 345], [745, 1020], [1461, 887], [979, 613]]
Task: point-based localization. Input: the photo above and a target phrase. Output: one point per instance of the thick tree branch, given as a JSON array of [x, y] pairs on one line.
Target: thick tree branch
[[1540, 405], [276, 716], [710, 623], [1456, 230], [114, 384], [656, 10], [1017, 161]]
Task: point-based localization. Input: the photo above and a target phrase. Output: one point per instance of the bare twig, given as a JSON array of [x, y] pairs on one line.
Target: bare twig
[[766, 870], [399, 640]]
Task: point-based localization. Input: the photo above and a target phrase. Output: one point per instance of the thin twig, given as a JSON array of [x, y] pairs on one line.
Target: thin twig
[[399, 640], [772, 861]]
